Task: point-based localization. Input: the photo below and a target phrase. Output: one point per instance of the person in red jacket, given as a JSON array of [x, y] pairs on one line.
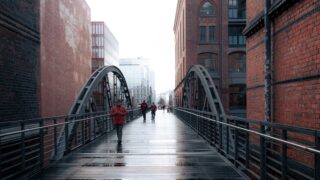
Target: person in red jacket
[[118, 113], [153, 111], [143, 107]]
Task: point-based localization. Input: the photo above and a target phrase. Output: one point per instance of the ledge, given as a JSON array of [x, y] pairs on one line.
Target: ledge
[[275, 10]]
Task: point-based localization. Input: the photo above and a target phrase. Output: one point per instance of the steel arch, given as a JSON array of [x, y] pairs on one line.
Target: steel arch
[[86, 92], [85, 97], [211, 93]]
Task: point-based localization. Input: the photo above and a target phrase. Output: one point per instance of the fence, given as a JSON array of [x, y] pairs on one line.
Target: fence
[[28, 146], [260, 149]]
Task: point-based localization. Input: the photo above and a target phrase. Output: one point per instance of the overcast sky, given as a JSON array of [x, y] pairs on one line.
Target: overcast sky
[[144, 28]]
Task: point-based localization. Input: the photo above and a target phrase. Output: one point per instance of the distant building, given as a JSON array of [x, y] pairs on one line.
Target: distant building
[[105, 47], [140, 79], [209, 32]]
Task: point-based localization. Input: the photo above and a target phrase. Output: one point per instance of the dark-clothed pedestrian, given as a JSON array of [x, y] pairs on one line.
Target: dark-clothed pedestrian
[[118, 113], [153, 110], [144, 107]]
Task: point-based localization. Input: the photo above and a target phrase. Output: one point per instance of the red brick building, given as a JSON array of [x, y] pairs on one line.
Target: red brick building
[[209, 32], [295, 62], [65, 54]]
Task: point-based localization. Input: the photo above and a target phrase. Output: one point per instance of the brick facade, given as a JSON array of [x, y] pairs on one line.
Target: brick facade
[[295, 61], [295, 66], [65, 58], [19, 60], [65, 54], [189, 47]]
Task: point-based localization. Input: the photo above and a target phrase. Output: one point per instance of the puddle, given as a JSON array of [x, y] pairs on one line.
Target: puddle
[[104, 165]]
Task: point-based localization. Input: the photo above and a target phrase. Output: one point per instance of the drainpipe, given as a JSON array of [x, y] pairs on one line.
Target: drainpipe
[[267, 77]]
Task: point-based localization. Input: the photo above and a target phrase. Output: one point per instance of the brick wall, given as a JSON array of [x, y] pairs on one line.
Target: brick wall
[[65, 58], [19, 59], [295, 71], [65, 53], [255, 76], [254, 7], [296, 67]]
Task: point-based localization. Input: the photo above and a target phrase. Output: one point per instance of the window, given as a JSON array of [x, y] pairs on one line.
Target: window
[[202, 33], [237, 9], [206, 9], [237, 62], [211, 33], [237, 96], [208, 60], [235, 36]]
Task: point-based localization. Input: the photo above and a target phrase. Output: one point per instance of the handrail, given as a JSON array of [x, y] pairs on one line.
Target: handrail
[[59, 124], [257, 133], [52, 117], [308, 131]]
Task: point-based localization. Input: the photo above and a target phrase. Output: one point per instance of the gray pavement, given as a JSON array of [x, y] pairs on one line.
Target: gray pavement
[[161, 149]]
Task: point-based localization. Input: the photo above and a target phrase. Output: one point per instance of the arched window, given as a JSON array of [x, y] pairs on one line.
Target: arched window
[[237, 62], [206, 9], [208, 60]]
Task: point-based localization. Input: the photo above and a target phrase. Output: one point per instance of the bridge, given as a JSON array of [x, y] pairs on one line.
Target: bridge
[[196, 141]]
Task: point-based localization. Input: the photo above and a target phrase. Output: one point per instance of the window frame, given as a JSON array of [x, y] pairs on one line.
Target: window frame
[[204, 9], [202, 37], [235, 37]]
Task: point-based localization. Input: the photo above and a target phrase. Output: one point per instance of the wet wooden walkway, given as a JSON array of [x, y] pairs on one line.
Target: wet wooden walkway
[[161, 149]]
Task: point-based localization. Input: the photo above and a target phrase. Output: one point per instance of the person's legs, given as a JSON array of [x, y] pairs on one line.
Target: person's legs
[[144, 115], [119, 132]]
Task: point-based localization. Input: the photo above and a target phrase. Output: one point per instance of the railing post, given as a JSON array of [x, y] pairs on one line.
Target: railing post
[[284, 155], [94, 127], [236, 134], [41, 145], [23, 148], [0, 158], [55, 137], [247, 147], [66, 132], [317, 157], [82, 132], [220, 132], [263, 173], [105, 123], [228, 128]]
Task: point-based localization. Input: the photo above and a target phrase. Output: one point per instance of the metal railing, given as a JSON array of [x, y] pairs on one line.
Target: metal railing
[[28, 146], [260, 149]]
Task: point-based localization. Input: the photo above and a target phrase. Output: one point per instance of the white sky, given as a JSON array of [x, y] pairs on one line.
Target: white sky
[[144, 28]]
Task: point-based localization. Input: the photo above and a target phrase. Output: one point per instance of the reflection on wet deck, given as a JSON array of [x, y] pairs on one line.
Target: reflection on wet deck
[[160, 149]]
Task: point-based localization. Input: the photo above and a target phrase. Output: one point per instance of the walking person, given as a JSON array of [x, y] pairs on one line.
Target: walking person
[[143, 107], [118, 113], [153, 111]]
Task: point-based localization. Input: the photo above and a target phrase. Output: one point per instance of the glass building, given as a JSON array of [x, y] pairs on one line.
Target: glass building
[[105, 47], [140, 79]]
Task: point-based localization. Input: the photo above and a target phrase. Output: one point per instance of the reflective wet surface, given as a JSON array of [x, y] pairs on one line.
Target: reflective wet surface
[[160, 149]]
